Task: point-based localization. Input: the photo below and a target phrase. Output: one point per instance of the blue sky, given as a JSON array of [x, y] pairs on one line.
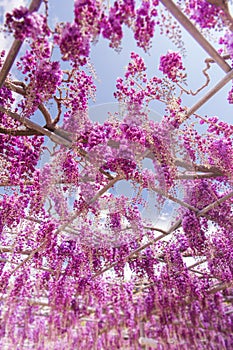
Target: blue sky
[[109, 64]]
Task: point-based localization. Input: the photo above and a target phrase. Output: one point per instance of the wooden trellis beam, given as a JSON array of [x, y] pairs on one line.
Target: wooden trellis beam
[[228, 77], [193, 31], [174, 227]]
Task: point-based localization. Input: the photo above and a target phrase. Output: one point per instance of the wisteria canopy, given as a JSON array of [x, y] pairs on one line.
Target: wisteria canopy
[[115, 232]]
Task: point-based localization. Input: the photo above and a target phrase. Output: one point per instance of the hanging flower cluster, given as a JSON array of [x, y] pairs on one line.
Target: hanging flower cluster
[[25, 24], [91, 21], [205, 14], [113, 235], [171, 65], [44, 77]]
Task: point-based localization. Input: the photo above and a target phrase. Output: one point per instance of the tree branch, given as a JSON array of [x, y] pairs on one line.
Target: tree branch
[[171, 230], [227, 78], [32, 125], [14, 50], [20, 88], [63, 226], [14, 132]]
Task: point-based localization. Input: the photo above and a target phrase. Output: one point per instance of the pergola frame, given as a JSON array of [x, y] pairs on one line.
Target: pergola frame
[[58, 137]]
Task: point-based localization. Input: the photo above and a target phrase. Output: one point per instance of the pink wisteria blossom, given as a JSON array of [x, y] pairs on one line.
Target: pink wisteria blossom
[[115, 233]]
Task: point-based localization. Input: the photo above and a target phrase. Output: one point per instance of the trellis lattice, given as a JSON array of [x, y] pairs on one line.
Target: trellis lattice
[[64, 285]]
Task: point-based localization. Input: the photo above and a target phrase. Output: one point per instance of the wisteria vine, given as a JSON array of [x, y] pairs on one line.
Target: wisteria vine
[[84, 265]]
